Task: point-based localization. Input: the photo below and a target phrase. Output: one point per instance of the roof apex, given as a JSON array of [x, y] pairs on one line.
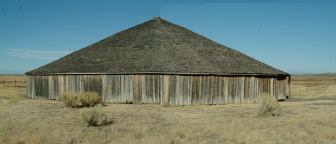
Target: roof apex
[[156, 18]]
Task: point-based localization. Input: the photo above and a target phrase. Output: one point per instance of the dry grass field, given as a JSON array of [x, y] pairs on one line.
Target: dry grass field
[[309, 117], [13, 77], [13, 80], [314, 86]]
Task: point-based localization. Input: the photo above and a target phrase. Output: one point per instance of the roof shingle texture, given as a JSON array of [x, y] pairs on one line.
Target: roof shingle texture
[[157, 46]]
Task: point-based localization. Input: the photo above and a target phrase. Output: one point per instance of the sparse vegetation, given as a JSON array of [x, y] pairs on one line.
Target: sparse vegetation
[[81, 99], [269, 106], [95, 116]]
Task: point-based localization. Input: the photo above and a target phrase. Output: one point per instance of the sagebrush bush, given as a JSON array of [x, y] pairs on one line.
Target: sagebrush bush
[[81, 99], [71, 99], [89, 99], [269, 106], [95, 117]]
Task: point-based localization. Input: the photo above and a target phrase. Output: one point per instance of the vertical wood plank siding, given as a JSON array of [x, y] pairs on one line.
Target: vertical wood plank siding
[[160, 89]]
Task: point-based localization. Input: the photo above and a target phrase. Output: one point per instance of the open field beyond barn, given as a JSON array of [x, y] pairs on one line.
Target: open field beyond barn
[[309, 116]]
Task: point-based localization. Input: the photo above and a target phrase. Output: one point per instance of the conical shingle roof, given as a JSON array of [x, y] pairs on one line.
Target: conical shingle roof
[[157, 47]]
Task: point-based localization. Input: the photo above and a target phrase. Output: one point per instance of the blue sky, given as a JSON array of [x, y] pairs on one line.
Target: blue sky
[[297, 36]]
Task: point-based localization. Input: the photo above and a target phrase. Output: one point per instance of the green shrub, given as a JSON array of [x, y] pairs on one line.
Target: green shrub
[[89, 99], [81, 99], [71, 100], [269, 106], [95, 117]]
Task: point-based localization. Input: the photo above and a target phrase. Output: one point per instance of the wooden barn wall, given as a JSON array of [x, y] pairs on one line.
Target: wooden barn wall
[[160, 89], [51, 87]]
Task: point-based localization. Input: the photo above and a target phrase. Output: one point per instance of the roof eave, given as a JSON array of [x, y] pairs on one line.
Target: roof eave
[[165, 73]]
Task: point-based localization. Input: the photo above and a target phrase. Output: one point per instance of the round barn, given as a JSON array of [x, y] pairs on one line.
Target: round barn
[[161, 63]]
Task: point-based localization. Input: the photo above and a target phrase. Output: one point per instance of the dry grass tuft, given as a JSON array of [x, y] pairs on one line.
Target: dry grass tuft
[[269, 106], [95, 117], [81, 99]]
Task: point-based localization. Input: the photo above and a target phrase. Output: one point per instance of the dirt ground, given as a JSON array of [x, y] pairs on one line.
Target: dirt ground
[[309, 116]]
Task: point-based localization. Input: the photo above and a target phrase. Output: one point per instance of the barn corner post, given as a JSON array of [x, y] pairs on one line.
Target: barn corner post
[[289, 86], [27, 86]]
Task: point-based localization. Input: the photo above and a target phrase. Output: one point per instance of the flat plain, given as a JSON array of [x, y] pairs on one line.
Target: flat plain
[[308, 116]]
